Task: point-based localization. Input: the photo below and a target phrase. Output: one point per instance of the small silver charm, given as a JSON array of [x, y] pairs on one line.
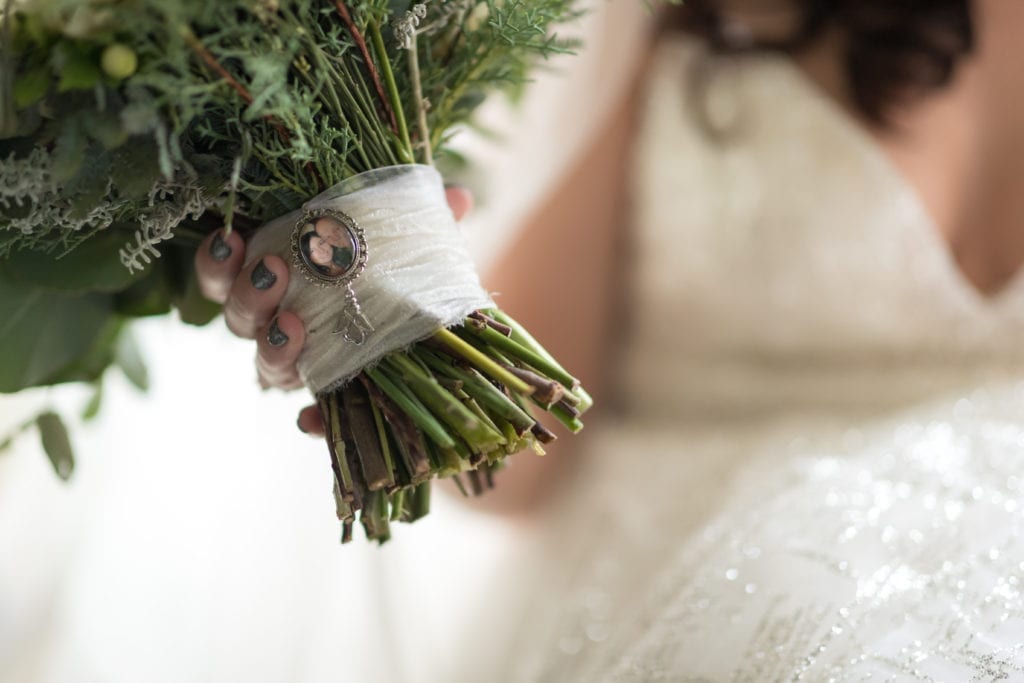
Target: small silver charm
[[352, 324], [329, 248]]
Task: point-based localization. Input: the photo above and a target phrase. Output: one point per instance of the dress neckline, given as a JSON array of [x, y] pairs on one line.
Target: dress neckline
[[930, 234]]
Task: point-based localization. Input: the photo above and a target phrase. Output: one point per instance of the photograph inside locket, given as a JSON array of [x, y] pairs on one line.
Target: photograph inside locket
[[328, 247]]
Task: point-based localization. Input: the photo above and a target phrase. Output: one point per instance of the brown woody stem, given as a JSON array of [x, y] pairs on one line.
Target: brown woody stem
[[360, 42]]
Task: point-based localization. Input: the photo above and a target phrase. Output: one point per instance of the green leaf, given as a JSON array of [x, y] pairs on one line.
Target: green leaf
[[56, 443], [148, 296], [69, 152], [93, 266], [105, 127], [7, 441], [79, 69], [90, 365], [129, 359], [89, 186], [31, 85], [193, 307], [42, 332], [135, 167], [92, 408], [32, 29]]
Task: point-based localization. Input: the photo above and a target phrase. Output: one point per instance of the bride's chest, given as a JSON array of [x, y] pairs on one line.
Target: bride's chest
[[793, 233]]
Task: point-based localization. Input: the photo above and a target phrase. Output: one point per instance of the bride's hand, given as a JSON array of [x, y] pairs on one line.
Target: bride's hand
[[252, 296]]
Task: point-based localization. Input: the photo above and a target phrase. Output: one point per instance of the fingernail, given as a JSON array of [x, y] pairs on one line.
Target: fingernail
[[219, 249], [275, 336], [262, 277], [298, 423]]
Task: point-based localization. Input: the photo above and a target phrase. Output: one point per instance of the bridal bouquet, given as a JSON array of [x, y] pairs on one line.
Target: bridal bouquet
[[131, 129]]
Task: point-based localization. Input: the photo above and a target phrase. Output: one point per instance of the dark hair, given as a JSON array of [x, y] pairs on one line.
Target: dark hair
[[340, 256], [895, 50]]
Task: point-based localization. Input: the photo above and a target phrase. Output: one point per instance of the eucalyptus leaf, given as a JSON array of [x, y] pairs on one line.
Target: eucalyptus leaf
[[90, 365], [193, 307], [92, 408], [129, 359], [41, 332], [148, 296], [94, 266], [57, 444]]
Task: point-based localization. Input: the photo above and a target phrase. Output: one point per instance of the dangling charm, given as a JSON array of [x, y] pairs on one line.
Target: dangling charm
[[329, 248], [352, 324]]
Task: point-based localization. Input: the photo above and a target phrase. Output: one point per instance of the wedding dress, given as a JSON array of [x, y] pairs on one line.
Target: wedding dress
[[818, 469]]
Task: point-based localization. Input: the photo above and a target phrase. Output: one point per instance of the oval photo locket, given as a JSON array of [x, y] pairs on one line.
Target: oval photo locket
[[329, 247]]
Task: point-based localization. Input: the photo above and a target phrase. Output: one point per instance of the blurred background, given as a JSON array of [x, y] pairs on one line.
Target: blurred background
[[196, 540]]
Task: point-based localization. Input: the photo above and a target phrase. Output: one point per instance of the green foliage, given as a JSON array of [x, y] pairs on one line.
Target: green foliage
[[56, 443], [46, 334], [32, 85], [92, 267], [287, 86], [129, 359], [92, 408], [54, 437], [78, 66], [125, 122]]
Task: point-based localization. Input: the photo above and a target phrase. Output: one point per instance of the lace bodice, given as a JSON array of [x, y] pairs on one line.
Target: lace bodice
[[786, 249]]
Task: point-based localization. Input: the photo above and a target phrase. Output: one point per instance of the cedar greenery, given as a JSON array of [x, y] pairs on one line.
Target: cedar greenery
[[130, 129]]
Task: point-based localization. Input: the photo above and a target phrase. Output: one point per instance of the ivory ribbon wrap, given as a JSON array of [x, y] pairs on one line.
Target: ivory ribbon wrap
[[418, 276]]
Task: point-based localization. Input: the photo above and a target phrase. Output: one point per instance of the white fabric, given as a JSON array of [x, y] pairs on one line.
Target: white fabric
[[818, 473], [418, 277]]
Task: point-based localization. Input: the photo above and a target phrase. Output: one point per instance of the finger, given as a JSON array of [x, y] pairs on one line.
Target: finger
[[255, 295], [278, 346], [460, 200], [311, 421], [218, 260]]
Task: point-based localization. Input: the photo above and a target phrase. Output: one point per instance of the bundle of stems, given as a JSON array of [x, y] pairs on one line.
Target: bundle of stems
[[174, 118], [458, 402]]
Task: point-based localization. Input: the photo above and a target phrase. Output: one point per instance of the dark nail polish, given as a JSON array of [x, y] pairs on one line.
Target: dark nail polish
[[219, 249], [298, 423], [275, 336], [262, 277]]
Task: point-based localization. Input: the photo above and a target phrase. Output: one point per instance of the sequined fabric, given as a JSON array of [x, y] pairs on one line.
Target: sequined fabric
[[818, 473]]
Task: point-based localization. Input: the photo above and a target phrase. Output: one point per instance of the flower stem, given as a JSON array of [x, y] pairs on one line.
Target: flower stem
[[360, 424], [449, 409], [389, 79], [482, 362], [526, 355], [412, 407], [483, 391], [520, 335], [417, 98], [360, 42]]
